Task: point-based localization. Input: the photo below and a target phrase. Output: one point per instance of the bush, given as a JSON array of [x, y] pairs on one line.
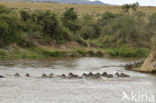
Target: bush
[[2, 53], [25, 15], [90, 32], [128, 52], [91, 53], [106, 18], [124, 30], [50, 25], [99, 53], [81, 51], [9, 29], [38, 15], [70, 14], [90, 28], [4, 10], [4, 33], [153, 71], [53, 53], [69, 20]]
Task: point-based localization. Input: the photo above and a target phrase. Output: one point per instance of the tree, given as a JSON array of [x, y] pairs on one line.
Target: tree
[[50, 25], [134, 7], [69, 19], [126, 8], [70, 14], [39, 15], [4, 32], [9, 29]]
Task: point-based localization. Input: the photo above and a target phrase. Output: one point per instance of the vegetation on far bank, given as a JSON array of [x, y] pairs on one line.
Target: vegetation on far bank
[[25, 34], [93, 10]]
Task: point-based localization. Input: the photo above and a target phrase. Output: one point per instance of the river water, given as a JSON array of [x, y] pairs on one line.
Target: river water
[[57, 90]]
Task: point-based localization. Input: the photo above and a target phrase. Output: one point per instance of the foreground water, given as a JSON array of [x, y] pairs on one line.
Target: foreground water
[[39, 90]]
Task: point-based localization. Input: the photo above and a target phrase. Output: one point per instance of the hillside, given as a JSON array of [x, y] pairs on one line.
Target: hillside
[[28, 28]]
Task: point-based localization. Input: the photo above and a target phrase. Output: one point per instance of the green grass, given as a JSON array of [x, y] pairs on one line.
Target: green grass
[[39, 52], [81, 52], [128, 52], [99, 54], [90, 53], [53, 53], [153, 71], [2, 53]]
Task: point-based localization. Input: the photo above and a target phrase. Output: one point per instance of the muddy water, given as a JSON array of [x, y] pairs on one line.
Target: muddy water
[[39, 90]]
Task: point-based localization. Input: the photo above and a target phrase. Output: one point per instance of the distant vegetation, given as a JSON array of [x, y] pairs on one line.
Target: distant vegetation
[[72, 1], [93, 10], [129, 33]]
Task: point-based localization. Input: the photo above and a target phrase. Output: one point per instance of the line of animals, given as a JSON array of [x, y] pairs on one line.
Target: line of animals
[[89, 75], [134, 64]]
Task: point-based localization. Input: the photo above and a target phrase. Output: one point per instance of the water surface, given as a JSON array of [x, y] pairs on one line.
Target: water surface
[[55, 90]]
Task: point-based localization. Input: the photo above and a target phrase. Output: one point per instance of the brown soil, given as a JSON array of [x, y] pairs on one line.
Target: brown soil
[[150, 63]]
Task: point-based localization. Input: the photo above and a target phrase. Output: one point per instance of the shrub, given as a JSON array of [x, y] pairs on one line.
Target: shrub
[[81, 51], [4, 10], [106, 18], [90, 31], [2, 53], [9, 28], [50, 25], [123, 30], [38, 15], [25, 15], [90, 28], [69, 20], [128, 52], [70, 14], [4, 33], [153, 71], [99, 53], [53, 53], [91, 53], [153, 19]]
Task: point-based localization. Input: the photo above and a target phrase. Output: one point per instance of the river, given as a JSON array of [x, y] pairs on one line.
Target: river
[[56, 90]]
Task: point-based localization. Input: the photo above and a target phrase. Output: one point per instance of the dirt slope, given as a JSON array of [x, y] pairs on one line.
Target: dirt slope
[[150, 62]]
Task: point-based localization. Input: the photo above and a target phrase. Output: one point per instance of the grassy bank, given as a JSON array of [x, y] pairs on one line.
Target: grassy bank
[[45, 34], [129, 52], [39, 53]]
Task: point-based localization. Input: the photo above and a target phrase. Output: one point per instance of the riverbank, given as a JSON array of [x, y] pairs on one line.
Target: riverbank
[[38, 52], [139, 69], [149, 65]]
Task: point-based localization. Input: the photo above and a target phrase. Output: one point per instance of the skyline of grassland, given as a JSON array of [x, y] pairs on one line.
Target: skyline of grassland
[[94, 10]]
